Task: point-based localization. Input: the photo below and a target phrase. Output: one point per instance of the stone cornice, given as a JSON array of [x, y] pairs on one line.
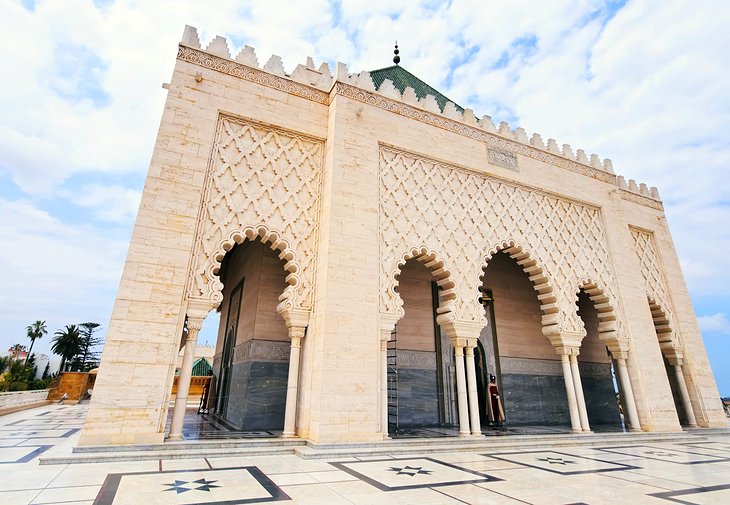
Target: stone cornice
[[287, 85], [630, 196], [242, 71], [471, 132]]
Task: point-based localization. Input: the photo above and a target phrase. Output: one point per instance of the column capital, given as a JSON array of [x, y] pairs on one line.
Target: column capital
[[198, 308], [566, 351], [387, 325], [296, 333], [294, 316], [565, 340], [193, 324], [675, 360]]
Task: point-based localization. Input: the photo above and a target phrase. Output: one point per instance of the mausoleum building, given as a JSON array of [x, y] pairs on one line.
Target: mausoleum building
[[376, 252]]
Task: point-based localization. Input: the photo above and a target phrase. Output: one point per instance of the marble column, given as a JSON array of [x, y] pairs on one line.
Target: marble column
[[683, 392], [570, 393], [183, 384], [579, 397], [461, 392], [296, 334], [384, 338], [629, 402], [471, 380]]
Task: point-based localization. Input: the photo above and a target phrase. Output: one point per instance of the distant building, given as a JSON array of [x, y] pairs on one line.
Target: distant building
[[17, 354]]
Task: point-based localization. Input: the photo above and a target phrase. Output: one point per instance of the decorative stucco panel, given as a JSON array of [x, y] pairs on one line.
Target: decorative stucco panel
[[466, 216], [262, 182]]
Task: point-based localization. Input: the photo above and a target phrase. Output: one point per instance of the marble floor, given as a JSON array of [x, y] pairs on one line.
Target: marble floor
[[683, 472]]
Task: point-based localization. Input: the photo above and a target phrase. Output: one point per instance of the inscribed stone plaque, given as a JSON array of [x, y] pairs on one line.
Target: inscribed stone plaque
[[502, 158]]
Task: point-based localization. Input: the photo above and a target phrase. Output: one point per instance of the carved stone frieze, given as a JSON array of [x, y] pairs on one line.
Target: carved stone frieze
[[262, 182], [525, 366], [462, 214], [236, 69], [262, 350], [596, 370], [421, 360]]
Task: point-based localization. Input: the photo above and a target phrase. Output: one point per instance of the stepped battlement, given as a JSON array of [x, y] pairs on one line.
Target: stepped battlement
[[322, 78]]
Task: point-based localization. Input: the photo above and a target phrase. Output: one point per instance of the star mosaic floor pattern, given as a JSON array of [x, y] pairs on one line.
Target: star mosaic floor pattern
[[687, 473]]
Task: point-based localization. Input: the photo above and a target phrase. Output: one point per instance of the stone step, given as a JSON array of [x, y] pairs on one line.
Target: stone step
[[490, 444], [183, 445], [310, 450], [161, 453]]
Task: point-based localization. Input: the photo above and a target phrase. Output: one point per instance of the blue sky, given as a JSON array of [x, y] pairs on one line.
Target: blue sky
[[642, 83]]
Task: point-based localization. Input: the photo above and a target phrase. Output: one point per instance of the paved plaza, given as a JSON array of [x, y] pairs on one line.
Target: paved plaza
[[689, 472]]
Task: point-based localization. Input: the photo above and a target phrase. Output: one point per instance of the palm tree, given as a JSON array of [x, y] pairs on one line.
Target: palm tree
[[35, 330], [67, 343]]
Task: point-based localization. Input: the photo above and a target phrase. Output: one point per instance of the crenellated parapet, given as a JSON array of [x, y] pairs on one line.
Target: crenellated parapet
[[320, 84]]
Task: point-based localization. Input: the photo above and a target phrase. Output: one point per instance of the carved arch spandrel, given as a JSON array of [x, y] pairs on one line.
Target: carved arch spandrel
[[607, 317], [552, 319], [655, 285], [442, 276], [262, 181], [460, 211]]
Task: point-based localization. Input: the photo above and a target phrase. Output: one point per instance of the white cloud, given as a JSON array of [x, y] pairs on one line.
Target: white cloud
[[716, 323], [53, 271], [109, 203]]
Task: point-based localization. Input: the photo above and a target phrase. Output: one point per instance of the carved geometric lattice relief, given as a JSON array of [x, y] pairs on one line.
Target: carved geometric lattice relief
[[262, 182], [654, 283], [462, 215]]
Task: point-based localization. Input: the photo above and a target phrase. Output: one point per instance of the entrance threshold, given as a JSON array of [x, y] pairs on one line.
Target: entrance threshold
[[206, 426]]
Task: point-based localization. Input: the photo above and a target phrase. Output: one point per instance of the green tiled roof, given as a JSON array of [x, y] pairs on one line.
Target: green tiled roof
[[402, 78]]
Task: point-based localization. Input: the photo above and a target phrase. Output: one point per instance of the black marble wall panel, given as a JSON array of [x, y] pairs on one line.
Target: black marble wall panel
[[600, 396], [258, 395], [535, 399], [417, 398]]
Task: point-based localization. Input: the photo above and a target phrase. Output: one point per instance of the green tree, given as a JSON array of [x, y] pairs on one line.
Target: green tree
[[35, 331], [67, 344], [5, 362], [45, 370], [89, 341]]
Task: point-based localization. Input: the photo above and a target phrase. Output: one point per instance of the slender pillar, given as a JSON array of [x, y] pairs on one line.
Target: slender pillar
[[296, 333], [677, 365], [384, 337], [183, 385], [570, 393], [580, 398], [471, 380], [461, 392], [628, 392]]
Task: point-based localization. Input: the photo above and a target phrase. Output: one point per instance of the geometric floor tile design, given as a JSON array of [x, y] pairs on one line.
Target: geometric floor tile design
[[687, 472], [560, 462], [411, 473], [722, 447], [220, 486], [708, 495], [682, 457], [14, 454]]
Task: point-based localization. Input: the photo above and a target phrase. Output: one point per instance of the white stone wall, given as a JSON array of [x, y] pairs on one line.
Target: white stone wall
[[346, 183]]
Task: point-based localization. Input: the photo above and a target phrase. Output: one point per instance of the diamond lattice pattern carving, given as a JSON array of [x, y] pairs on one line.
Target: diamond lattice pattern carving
[[654, 284], [462, 215], [262, 182]]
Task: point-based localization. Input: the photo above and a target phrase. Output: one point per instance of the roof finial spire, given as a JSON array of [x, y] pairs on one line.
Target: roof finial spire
[[396, 58]]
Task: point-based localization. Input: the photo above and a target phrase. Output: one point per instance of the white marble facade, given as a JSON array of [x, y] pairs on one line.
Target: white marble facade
[[345, 183]]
